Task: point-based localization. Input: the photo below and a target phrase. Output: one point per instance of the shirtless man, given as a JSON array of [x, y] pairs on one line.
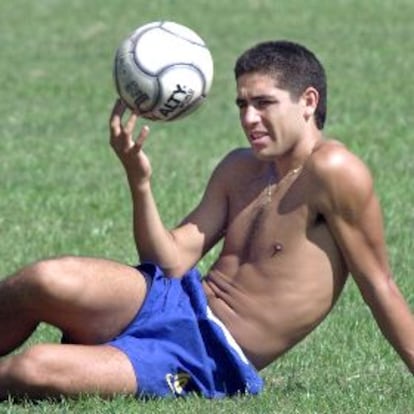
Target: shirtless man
[[297, 213]]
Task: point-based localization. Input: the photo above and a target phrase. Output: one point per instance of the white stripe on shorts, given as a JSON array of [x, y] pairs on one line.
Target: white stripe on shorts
[[229, 337]]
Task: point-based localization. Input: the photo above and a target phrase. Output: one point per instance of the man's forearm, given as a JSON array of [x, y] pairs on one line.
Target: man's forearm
[[152, 239]]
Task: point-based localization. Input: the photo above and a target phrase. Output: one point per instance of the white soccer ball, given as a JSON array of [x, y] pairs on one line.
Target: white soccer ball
[[163, 70]]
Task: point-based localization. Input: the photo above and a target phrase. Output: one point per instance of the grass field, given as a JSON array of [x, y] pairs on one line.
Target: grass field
[[63, 191]]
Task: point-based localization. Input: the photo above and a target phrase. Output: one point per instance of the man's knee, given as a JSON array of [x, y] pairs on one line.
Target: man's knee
[[30, 370], [50, 279]]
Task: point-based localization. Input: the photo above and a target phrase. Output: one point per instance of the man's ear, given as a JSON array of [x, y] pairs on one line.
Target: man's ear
[[310, 99]]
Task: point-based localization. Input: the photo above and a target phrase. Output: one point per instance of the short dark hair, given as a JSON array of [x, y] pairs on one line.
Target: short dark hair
[[293, 66]]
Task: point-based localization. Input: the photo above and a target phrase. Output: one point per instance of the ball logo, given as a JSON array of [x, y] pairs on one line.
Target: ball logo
[[178, 99], [135, 92]]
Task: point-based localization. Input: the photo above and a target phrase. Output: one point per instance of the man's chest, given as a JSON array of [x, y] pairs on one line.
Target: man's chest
[[265, 226]]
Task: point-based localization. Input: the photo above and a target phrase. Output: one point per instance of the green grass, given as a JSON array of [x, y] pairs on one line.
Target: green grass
[[63, 191]]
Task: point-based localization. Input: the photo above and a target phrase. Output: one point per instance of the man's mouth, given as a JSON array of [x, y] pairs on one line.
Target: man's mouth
[[257, 136]]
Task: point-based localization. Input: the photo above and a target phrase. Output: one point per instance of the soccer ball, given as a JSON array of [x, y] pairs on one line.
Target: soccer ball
[[163, 70]]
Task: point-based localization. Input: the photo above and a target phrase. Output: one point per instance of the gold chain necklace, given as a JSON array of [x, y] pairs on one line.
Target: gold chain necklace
[[289, 174]]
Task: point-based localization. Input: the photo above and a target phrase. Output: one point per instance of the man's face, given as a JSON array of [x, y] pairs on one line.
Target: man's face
[[271, 120]]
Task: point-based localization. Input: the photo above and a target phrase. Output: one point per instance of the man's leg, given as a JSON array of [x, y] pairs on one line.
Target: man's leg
[[51, 370], [90, 300]]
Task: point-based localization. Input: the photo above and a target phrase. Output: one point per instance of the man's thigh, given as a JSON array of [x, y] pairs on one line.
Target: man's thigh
[[91, 300], [50, 370]]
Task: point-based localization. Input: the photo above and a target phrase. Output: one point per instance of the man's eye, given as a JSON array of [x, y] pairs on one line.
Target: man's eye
[[263, 103]]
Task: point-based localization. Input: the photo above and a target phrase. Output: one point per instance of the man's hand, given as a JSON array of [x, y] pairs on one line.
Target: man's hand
[[134, 160]]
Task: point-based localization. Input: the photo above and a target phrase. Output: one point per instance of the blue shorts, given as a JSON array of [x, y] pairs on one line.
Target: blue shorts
[[177, 346]]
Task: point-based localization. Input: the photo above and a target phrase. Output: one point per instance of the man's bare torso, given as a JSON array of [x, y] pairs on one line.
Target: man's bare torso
[[279, 272]]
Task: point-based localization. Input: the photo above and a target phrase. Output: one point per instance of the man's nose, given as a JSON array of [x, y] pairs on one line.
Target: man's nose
[[250, 115]]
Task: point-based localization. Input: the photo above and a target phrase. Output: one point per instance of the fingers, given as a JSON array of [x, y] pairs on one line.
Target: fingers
[[121, 133], [130, 124], [143, 135], [116, 117], [119, 107], [115, 121]]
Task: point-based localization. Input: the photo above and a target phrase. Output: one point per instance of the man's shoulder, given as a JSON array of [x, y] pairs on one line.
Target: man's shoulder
[[238, 157], [325, 149], [235, 166], [333, 157], [339, 174], [240, 154]]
